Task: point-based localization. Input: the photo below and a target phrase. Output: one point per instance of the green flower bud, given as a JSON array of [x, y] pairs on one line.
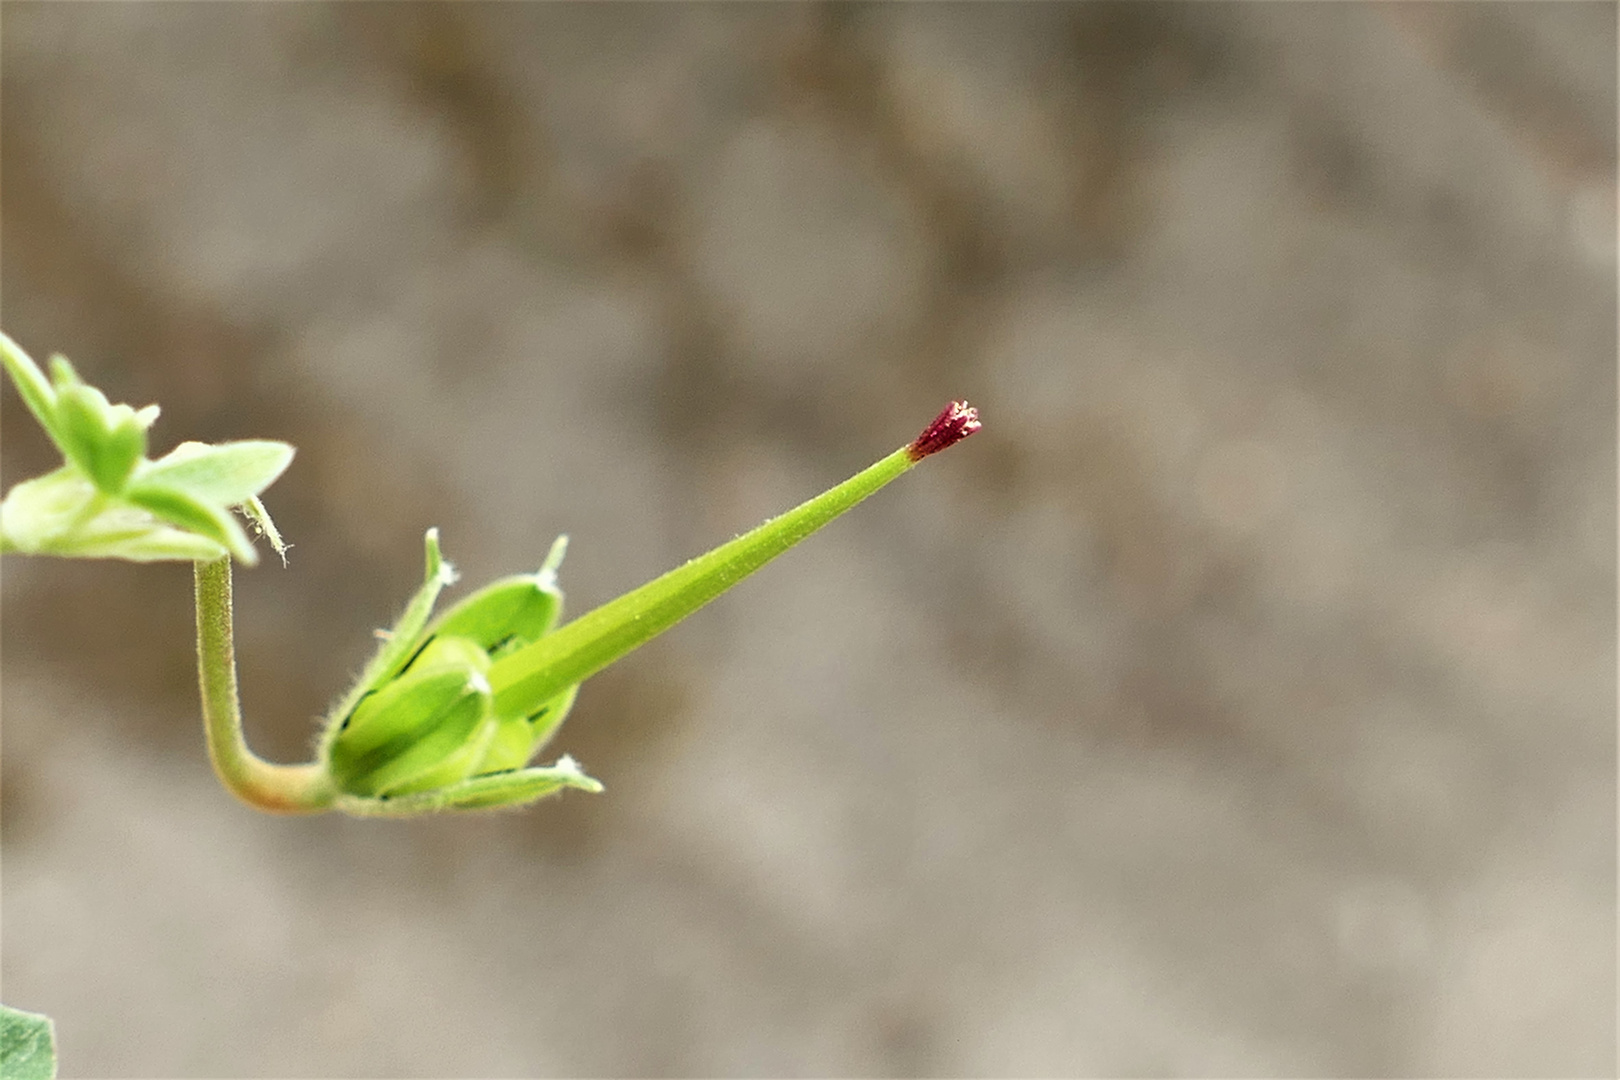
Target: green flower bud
[[502, 616]]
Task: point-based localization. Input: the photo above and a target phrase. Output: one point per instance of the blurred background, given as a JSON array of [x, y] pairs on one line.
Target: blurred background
[[1240, 702]]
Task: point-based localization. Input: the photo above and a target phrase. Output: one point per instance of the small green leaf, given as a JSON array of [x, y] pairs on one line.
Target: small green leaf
[[62, 514], [105, 441], [184, 510], [151, 542], [225, 474], [37, 513], [123, 448], [129, 507], [32, 385], [63, 374], [27, 1045]]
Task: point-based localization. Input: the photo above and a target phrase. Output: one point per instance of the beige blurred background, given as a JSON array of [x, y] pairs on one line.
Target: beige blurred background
[[1240, 702]]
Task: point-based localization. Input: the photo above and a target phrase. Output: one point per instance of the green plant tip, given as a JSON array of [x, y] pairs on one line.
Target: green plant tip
[[109, 501]]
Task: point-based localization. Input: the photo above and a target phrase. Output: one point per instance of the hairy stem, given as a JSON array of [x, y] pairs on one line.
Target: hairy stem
[[280, 789]]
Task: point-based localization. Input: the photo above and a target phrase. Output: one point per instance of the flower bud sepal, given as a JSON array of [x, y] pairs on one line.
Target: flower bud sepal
[[502, 790]]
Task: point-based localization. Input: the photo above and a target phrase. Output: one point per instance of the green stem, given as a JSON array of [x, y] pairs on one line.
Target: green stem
[[576, 651], [282, 789]]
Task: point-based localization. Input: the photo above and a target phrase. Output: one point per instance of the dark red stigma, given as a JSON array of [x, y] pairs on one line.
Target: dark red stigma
[[957, 422]]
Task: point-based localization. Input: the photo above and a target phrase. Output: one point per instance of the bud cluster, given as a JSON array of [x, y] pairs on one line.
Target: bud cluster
[[422, 731]]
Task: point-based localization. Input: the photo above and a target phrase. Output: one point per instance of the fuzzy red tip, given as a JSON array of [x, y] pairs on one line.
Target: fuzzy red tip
[[957, 422]]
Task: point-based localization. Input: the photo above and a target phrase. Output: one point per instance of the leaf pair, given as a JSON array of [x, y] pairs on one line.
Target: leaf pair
[[420, 730], [108, 500]]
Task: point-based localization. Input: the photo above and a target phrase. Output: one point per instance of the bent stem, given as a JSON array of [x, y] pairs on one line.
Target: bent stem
[[279, 789]]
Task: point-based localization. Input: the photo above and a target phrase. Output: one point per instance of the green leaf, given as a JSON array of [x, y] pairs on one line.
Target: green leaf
[[225, 474], [186, 511], [104, 440], [153, 542], [129, 507], [63, 374], [37, 513], [515, 789], [32, 385], [27, 1045], [62, 514], [121, 450]]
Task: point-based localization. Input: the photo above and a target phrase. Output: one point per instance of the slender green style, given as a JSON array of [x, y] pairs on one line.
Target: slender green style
[[592, 642]]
